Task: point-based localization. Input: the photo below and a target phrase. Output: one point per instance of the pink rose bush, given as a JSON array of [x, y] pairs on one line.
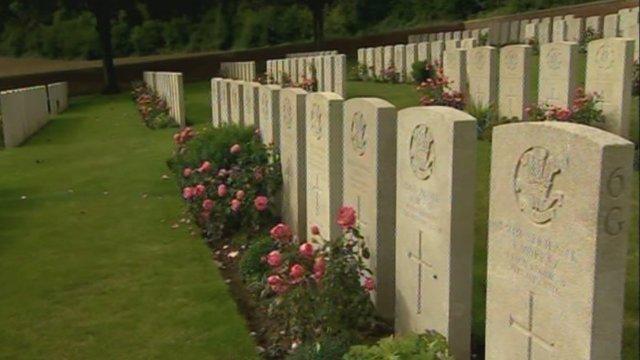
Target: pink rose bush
[[153, 109], [320, 286], [437, 90], [583, 110], [228, 179]]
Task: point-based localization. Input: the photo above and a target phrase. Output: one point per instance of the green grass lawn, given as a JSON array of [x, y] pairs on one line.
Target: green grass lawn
[[89, 264], [89, 274], [405, 96]]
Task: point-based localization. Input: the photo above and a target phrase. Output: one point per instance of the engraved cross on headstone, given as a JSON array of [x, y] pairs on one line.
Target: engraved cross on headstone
[[362, 222], [316, 189], [421, 262], [527, 330]]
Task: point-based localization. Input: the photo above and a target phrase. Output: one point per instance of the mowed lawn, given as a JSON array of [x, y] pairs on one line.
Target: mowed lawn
[[89, 275], [90, 266], [403, 96]]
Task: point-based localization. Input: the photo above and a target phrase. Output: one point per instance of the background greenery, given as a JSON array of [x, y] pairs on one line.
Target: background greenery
[[49, 29]]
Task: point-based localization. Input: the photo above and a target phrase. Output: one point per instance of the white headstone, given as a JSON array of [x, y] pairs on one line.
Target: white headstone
[[251, 103], [437, 50], [270, 114], [410, 58], [236, 89], [548, 295], [324, 174], [610, 26], [544, 31], [293, 159], [594, 23], [436, 161], [400, 61], [369, 146], [215, 102], [423, 51], [455, 68], [559, 31], [225, 102], [557, 73], [482, 73], [515, 77], [609, 73]]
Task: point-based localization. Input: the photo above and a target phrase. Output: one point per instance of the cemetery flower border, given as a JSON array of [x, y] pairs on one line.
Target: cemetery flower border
[[153, 109]]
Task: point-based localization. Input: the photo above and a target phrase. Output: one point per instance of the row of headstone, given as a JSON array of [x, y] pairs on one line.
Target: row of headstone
[[459, 35], [312, 53], [491, 77], [23, 112], [401, 57], [234, 102], [238, 70], [329, 72], [410, 175], [624, 23], [169, 86], [58, 95]]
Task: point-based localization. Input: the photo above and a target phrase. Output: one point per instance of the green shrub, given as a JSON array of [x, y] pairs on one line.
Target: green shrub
[[429, 346], [121, 37], [333, 347], [70, 36], [229, 180], [146, 38], [421, 71], [322, 287], [210, 33], [176, 33], [252, 266]]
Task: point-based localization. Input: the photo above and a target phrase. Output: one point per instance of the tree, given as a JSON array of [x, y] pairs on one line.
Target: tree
[[104, 11], [317, 8]]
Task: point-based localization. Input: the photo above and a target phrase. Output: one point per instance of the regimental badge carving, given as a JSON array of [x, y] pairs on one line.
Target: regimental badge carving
[[533, 185], [358, 133], [316, 121], [511, 61], [604, 57], [422, 152], [478, 60], [287, 113], [553, 59]]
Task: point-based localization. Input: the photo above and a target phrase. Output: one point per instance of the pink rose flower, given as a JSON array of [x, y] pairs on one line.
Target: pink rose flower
[[186, 172], [222, 190], [240, 194], [235, 205], [274, 280], [257, 174], [315, 230], [208, 204], [199, 190], [297, 271], [306, 250], [319, 267], [187, 193], [369, 284], [205, 167], [346, 217], [281, 232], [274, 258], [261, 203], [235, 149], [222, 173], [277, 284]]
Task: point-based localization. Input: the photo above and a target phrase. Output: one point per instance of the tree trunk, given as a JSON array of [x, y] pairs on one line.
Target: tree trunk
[[103, 25], [318, 23]]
